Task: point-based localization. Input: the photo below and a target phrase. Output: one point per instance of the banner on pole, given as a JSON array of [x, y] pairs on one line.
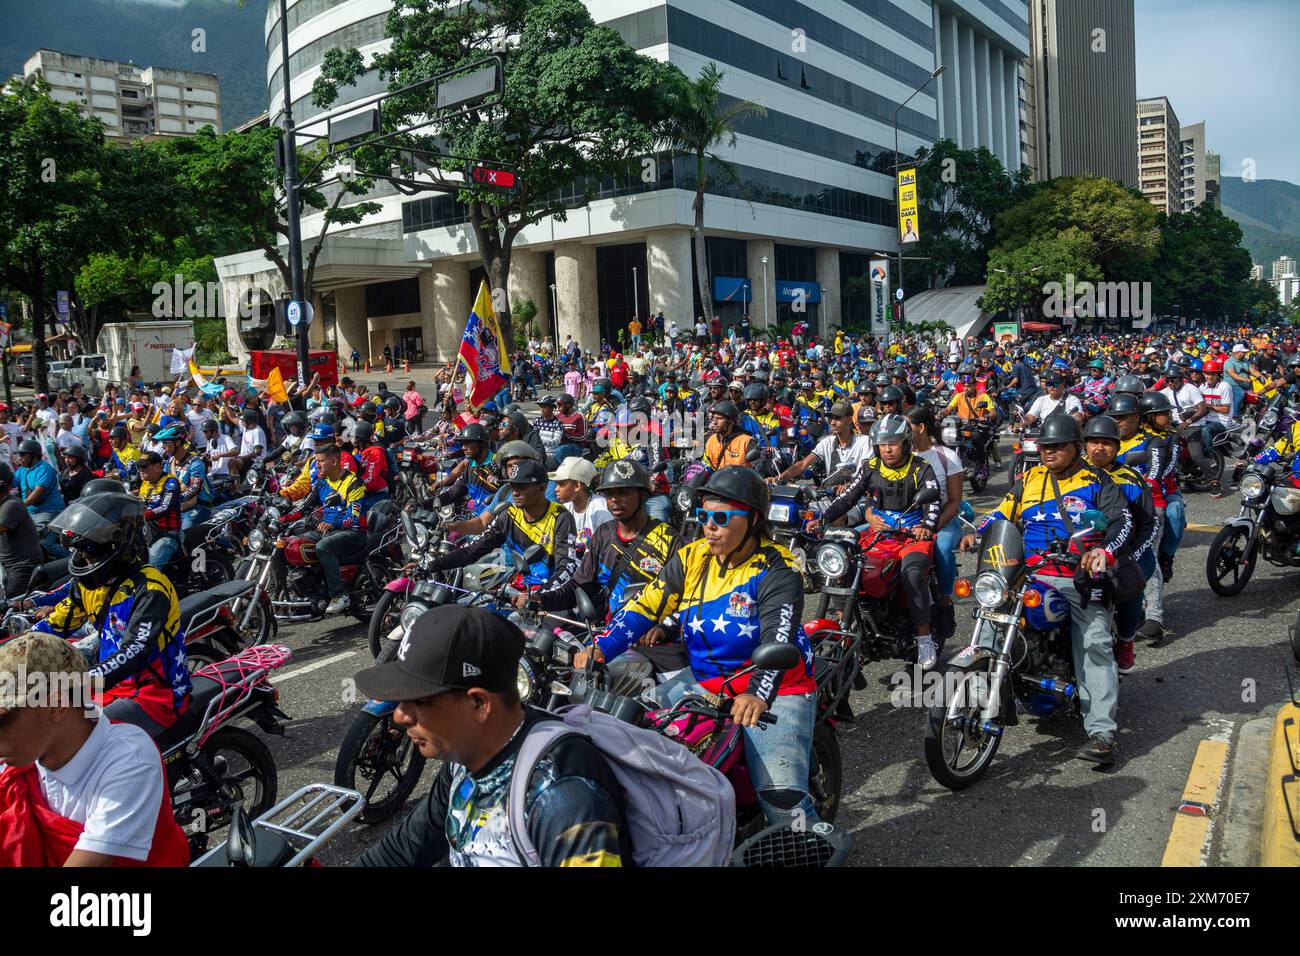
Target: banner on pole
[[909, 223]]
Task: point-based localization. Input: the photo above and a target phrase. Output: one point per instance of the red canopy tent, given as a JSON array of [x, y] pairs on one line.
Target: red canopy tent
[[1039, 327]]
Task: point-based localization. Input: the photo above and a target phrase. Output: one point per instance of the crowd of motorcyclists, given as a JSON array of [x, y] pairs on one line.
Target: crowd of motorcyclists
[[584, 495]]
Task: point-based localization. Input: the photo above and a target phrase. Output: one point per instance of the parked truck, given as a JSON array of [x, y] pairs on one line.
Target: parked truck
[[148, 345], [83, 370]]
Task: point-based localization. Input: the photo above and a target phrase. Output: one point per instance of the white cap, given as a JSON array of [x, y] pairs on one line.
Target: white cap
[[574, 468], [1238, 348], [1149, 351]]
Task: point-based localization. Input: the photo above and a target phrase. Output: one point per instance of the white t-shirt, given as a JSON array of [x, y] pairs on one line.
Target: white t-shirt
[[1189, 394], [196, 423], [1220, 394], [219, 445], [597, 514], [114, 786], [47, 415], [945, 462], [67, 439], [832, 455], [1045, 405], [251, 439]]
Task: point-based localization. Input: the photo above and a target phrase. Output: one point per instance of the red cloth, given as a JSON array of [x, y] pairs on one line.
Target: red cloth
[[31, 834]]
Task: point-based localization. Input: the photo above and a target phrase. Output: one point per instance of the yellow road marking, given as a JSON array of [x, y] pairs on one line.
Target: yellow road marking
[[1190, 832], [1278, 843]]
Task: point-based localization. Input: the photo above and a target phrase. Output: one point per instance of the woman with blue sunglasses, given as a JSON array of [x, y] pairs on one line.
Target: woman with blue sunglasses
[[732, 590]]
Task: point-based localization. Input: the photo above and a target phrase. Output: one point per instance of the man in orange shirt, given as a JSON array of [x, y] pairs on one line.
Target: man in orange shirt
[[634, 329]]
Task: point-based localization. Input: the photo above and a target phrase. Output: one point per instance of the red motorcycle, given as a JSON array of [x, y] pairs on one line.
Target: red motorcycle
[[860, 598]]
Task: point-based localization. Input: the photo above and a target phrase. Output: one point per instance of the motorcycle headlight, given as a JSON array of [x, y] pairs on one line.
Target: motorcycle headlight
[[990, 590], [780, 513], [832, 561], [524, 679], [421, 536], [1252, 486], [1286, 501], [256, 539], [447, 512], [410, 614]]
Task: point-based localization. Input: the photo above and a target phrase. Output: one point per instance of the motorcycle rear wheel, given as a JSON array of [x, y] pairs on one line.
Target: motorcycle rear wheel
[[1295, 638], [1223, 567], [249, 768], [388, 610], [826, 776], [945, 743]]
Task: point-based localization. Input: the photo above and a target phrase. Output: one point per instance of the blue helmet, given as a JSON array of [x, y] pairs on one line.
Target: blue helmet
[[323, 432], [172, 433]]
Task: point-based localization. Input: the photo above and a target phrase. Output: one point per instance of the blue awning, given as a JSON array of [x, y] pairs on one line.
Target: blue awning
[[788, 290]]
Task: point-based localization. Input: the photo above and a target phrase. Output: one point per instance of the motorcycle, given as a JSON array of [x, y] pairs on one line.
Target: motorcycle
[[1268, 524], [212, 766], [425, 541], [971, 441], [282, 562], [1020, 658], [417, 466], [860, 593], [1025, 454]]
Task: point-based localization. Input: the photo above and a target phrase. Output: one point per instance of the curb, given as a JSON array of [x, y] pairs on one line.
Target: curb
[[1280, 835]]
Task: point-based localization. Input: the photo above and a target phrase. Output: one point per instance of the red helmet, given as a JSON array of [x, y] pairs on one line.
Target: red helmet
[[1212, 365]]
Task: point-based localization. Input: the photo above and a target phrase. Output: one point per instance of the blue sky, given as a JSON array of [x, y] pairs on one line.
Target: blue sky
[[1234, 64]]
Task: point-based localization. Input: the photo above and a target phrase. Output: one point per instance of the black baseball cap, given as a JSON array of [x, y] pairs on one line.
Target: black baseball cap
[[841, 410], [525, 471], [149, 458], [448, 648]]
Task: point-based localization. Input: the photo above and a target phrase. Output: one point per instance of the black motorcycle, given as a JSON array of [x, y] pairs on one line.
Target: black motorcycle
[[1268, 524]]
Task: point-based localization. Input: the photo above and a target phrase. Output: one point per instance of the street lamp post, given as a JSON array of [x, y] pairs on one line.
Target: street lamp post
[[897, 196], [291, 194], [636, 296], [766, 323], [555, 317]]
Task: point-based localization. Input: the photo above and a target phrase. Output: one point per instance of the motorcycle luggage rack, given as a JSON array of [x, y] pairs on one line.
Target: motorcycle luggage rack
[[306, 837]]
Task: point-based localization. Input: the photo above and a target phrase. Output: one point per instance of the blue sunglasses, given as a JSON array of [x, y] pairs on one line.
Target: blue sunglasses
[[719, 518]]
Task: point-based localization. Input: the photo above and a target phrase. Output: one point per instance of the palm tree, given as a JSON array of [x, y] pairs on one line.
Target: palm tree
[[699, 123]]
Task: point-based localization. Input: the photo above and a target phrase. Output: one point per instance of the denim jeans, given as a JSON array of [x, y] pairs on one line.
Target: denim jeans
[[1095, 669], [778, 755], [334, 549], [48, 539], [196, 515], [564, 451], [1128, 614], [1238, 397], [164, 550], [945, 557], [1154, 594], [657, 507], [1175, 525]]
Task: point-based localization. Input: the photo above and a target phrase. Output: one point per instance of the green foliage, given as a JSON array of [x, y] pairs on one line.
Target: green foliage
[[1017, 274], [961, 193], [1201, 267], [578, 103], [524, 313], [210, 336]]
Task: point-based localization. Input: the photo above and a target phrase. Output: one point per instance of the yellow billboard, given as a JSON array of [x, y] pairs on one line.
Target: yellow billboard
[[909, 223]]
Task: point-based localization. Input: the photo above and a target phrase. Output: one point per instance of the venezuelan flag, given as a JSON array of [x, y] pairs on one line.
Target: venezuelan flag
[[483, 352]]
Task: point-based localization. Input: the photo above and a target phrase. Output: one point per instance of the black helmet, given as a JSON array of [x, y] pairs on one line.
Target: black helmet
[[1129, 385], [249, 415], [363, 433], [1053, 378], [892, 429], [75, 451], [1176, 371], [99, 486], [755, 393], [1153, 403], [738, 484], [890, 393], [473, 432], [726, 410], [966, 368], [118, 431], [1059, 430], [291, 420], [625, 473], [639, 405], [1102, 426], [393, 405], [1123, 403], [29, 446], [209, 425], [103, 534]]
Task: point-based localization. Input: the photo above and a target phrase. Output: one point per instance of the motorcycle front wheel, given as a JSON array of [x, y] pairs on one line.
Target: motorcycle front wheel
[[959, 753], [387, 612], [1224, 568], [378, 760]]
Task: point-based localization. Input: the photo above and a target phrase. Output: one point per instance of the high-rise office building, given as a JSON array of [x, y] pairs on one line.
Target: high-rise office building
[[133, 102], [1079, 87], [1160, 154], [818, 201], [1200, 169]]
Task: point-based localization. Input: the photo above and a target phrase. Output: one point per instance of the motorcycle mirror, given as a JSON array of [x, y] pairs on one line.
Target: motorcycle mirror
[[754, 455], [535, 553], [520, 562], [408, 526], [500, 507], [926, 497], [776, 657], [1094, 520], [241, 844], [967, 511], [659, 468], [585, 607]]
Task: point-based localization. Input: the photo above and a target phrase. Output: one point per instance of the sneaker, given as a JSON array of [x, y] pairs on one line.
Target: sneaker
[[926, 652], [1124, 656], [337, 604], [1216, 491], [1100, 749], [1151, 630]]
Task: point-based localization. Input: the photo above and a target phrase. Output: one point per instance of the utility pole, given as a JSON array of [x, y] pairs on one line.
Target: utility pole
[[290, 154]]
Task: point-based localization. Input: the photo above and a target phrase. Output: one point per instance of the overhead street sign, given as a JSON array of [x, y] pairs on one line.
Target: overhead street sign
[[495, 178], [298, 312]]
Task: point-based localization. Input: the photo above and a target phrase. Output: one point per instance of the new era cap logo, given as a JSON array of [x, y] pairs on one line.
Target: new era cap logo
[[514, 470], [469, 670]]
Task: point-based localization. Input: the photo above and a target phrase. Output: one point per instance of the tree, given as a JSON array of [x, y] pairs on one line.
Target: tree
[[1202, 266], [235, 193], [699, 122], [961, 192], [1017, 275], [1261, 298], [578, 103]]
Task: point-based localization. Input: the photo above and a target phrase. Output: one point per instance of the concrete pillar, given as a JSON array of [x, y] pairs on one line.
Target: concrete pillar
[[528, 281], [951, 78], [428, 327], [998, 105], [1011, 90], [575, 282], [969, 114], [316, 331], [670, 275], [230, 297], [983, 92], [451, 304], [828, 276], [762, 308], [353, 323]]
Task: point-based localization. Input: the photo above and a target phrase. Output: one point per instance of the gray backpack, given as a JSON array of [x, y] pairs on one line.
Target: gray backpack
[[680, 811]]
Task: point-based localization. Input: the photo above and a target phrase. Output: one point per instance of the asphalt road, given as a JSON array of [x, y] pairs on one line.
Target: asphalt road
[[1222, 664]]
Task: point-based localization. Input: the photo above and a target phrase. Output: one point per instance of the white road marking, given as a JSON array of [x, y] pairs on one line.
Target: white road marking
[[313, 666]]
